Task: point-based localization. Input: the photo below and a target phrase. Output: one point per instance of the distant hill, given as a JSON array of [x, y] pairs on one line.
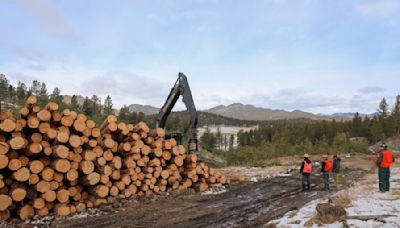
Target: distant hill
[[351, 114], [344, 114], [240, 112], [146, 109], [250, 112]]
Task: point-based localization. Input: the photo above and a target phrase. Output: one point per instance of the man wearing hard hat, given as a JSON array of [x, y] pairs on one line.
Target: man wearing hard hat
[[306, 170]]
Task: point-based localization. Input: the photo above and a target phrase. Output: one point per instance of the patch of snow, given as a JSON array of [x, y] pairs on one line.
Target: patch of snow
[[86, 213], [366, 200], [253, 179], [283, 175], [299, 218], [215, 191]]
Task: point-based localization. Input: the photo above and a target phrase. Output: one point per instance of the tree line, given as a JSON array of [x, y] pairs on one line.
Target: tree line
[[288, 137], [272, 138], [12, 98]]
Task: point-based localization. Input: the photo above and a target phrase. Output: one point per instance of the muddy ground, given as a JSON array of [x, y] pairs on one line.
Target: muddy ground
[[244, 204]]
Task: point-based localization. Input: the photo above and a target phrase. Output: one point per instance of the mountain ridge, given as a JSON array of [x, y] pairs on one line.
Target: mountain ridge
[[249, 112]]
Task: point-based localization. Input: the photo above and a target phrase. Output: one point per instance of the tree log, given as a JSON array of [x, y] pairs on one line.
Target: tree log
[[62, 210], [43, 186], [47, 174], [74, 141], [8, 125], [17, 143], [14, 164], [4, 148], [44, 115], [61, 165], [49, 196], [63, 196], [26, 212], [22, 174], [91, 179], [72, 175], [86, 167], [18, 194], [3, 161], [5, 202]]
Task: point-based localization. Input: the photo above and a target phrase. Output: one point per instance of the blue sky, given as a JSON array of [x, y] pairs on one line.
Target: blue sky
[[317, 56]]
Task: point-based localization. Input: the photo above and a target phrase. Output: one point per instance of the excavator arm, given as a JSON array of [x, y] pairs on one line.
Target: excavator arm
[[181, 88]]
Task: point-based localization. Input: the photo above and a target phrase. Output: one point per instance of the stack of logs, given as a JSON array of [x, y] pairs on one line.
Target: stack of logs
[[59, 161]]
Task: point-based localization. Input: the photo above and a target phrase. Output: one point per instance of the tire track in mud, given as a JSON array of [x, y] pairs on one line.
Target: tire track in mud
[[246, 204]]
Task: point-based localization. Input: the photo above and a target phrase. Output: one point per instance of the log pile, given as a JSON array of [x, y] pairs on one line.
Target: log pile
[[58, 161]]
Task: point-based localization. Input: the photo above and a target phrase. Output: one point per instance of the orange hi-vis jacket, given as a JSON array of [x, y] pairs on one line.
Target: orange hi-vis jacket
[[387, 159], [376, 157], [328, 165], [307, 167]]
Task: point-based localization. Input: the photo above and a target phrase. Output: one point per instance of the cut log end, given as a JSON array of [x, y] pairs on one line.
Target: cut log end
[[5, 202], [26, 212]]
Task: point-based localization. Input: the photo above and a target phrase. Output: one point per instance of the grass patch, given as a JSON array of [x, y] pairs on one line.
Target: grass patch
[[342, 199]]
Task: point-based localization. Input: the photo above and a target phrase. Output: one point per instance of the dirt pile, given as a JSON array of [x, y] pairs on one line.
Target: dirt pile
[[328, 213]]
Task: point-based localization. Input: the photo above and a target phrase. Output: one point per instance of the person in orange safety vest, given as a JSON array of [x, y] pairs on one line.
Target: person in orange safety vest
[[326, 168], [306, 170], [384, 162]]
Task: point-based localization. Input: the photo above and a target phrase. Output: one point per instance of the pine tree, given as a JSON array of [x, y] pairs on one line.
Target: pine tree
[[74, 105], [108, 106], [225, 144], [3, 91], [35, 88], [231, 141], [396, 115], [42, 97], [12, 95], [219, 141], [87, 107], [96, 109], [56, 96], [383, 113], [21, 93], [356, 125], [208, 140], [124, 114]]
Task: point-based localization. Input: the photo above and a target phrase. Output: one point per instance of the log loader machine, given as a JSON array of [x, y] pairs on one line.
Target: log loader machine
[[181, 88]]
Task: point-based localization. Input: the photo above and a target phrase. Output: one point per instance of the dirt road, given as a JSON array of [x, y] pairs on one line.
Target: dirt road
[[245, 204]]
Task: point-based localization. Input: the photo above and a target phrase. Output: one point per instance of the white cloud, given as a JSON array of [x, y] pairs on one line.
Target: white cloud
[[36, 67], [30, 53], [125, 84], [371, 89], [292, 99], [49, 18], [381, 7], [22, 77]]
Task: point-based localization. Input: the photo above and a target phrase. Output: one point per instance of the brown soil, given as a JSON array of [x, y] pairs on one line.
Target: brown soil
[[245, 204]]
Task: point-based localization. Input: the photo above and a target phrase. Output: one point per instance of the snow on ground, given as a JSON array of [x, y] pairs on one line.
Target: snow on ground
[[255, 174], [366, 200], [38, 221], [215, 191]]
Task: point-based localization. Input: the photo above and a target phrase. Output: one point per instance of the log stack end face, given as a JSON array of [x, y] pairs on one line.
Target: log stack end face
[[58, 161]]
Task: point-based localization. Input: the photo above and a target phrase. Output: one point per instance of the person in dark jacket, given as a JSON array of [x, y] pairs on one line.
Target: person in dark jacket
[[306, 170], [336, 168]]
